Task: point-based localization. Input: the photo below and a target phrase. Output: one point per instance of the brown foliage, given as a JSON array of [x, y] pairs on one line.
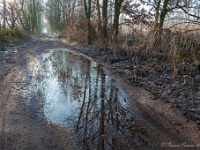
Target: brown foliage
[[74, 33]]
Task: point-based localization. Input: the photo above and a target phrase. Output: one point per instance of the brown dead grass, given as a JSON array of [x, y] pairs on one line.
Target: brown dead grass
[[178, 46]]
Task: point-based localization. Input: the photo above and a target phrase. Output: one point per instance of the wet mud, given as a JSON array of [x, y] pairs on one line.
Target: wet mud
[[78, 94], [57, 98]]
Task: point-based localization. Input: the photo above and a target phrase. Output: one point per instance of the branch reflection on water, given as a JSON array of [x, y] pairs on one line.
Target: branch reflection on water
[[79, 95]]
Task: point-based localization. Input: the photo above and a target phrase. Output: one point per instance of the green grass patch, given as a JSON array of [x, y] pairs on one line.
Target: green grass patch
[[14, 36]]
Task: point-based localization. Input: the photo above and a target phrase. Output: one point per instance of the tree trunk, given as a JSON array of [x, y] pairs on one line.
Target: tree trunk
[[157, 8], [99, 18], [159, 20], [118, 4], [4, 19], [88, 15], [105, 20], [163, 14]]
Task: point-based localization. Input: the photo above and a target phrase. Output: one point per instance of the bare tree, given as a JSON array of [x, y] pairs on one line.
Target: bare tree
[[87, 6], [105, 20], [118, 5], [4, 18]]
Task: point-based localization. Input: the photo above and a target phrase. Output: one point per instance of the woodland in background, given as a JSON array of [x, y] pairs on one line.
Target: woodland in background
[[154, 30], [20, 19]]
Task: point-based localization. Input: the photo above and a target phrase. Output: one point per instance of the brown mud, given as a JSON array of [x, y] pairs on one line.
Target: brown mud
[[23, 124]]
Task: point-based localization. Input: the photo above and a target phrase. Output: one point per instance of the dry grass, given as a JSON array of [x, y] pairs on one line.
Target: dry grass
[[180, 48], [74, 33]]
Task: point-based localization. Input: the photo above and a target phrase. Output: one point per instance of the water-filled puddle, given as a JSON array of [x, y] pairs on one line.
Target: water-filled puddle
[[79, 95]]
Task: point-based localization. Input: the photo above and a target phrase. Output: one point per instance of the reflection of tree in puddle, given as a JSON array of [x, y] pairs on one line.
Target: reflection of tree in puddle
[[101, 117]]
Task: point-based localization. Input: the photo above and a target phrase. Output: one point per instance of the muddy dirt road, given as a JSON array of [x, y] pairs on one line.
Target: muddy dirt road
[[22, 124], [52, 99]]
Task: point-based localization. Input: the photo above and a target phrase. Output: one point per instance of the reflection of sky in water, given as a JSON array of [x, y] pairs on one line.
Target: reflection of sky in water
[[58, 104], [80, 96]]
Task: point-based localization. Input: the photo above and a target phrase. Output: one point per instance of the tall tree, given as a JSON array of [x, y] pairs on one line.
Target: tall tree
[[4, 18], [161, 8], [87, 6], [105, 20], [30, 17], [118, 5], [99, 17]]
